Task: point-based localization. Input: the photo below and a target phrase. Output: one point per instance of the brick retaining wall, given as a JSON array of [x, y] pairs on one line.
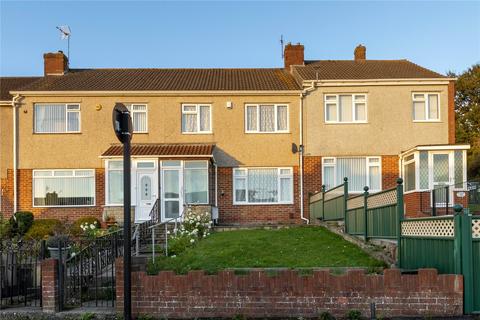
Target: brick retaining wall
[[288, 293]]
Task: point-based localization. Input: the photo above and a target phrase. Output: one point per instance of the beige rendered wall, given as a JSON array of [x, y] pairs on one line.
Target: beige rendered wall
[[389, 129], [6, 140], [234, 146]]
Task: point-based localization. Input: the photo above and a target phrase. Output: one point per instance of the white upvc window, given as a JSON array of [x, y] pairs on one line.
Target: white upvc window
[[195, 180], [139, 115], [196, 118], [266, 118], [345, 108], [56, 118], [409, 172], [426, 106], [360, 171], [263, 186], [64, 188], [114, 182]]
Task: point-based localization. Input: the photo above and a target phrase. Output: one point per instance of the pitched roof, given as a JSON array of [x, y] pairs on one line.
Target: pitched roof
[[162, 149], [8, 84], [361, 70], [167, 80]]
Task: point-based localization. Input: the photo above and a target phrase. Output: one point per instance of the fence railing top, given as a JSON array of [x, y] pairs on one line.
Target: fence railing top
[[446, 217]]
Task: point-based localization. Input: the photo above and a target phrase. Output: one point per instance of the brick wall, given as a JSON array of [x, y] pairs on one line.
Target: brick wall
[[197, 295], [6, 185], [418, 204], [50, 292], [254, 214], [25, 200], [312, 179], [390, 172]]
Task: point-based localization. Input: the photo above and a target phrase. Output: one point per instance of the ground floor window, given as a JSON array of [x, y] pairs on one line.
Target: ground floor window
[[63, 188], [196, 181], [263, 185], [360, 171], [114, 183]]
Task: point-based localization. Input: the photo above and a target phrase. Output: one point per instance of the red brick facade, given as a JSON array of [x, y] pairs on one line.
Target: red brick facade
[[254, 214], [225, 295], [50, 290], [6, 185], [451, 112], [418, 204]]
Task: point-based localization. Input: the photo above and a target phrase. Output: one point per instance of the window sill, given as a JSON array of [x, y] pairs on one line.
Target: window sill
[[427, 121], [46, 133], [66, 207], [196, 133], [270, 132], [358, 122], [262, 204]]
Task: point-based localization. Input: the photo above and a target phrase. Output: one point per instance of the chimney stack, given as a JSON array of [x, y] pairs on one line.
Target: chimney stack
[[55, 63], [293, 55], [360, 53]]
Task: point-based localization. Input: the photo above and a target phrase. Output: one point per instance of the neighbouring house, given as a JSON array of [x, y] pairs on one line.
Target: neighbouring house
[[248, 145]]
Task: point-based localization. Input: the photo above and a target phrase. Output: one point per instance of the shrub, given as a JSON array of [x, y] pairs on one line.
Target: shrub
[[20, 222], [353, 315], [196, 224], [326, 316], [76, 229], [4, 228], [43, 228], [179, 243]]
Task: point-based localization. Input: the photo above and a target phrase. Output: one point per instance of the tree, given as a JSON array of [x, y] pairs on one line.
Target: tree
[[467, 114]]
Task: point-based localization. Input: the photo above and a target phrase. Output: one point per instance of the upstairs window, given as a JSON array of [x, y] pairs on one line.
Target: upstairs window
[[266, 118], [56, 118], [345, 108], [426, 106], [196, 118], [139, 117]]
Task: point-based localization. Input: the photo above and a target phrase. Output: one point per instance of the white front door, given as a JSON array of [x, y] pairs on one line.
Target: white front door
[[442, 176], [172, 186], [146, 194]]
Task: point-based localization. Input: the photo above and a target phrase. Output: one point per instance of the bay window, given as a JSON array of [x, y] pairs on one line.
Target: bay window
[[56, 118], [345, 108], [196, 118], [360, 171], [426, 106], [263, 185], [266, 118], [196, 181], [63, 188]]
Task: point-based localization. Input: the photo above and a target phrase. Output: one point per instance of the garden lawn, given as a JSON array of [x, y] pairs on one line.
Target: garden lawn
[[295, 247]]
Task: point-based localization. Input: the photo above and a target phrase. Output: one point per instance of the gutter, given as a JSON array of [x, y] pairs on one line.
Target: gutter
[[302, 95], [14, 109]]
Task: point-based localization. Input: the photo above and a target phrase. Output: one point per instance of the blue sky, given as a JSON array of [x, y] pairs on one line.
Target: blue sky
[[438, 35]]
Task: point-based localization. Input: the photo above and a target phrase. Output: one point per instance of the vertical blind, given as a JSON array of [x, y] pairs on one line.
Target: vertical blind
[[64, 188], [360, 171], [56, 118], [139, 117]]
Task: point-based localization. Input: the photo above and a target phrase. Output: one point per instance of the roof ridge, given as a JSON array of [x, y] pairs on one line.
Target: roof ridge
[[174, 69]]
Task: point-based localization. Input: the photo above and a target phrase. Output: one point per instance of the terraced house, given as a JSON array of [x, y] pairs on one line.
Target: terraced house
[[249, 145]]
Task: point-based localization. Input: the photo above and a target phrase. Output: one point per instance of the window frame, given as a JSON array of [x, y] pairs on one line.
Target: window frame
[[197, 112], [336, 102], [367, 170], [275, 107], [132, 112], [207, 168], [427, 106], [73, 175], [66, 117], [279, 177], [107, 181]]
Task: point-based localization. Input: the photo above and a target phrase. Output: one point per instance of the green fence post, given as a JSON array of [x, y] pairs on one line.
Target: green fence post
[[466, 258], [365, 211], [457, 240], [345, 198], [323, 202], [400, 217]]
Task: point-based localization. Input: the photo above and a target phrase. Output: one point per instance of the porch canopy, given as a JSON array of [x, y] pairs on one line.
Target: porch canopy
[[185, 150]]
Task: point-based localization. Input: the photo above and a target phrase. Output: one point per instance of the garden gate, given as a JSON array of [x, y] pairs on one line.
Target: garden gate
[[20, 273], [87, 274]]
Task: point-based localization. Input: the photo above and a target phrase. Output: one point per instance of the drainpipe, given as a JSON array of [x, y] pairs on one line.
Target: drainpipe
[[302, 95], [14, 109]]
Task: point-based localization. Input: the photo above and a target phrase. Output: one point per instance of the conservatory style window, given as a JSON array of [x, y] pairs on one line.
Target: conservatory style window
[[63, 188], [196, 181], [360, 171], [263, 185]]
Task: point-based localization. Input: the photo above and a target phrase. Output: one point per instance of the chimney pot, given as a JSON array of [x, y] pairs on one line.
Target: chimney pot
[[293, 55], [55, 63], [360, 53]]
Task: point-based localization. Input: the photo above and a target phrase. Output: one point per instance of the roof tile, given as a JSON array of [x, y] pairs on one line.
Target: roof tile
[[162, 149]]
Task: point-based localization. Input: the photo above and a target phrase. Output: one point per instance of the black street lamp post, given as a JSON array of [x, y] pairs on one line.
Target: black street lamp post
[[122, 125]]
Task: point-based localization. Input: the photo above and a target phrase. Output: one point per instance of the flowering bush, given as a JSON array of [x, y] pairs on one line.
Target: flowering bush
[[90, 230], [195, 226]]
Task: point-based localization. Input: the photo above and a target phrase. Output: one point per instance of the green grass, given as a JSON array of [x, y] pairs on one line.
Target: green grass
[[296, 247]]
